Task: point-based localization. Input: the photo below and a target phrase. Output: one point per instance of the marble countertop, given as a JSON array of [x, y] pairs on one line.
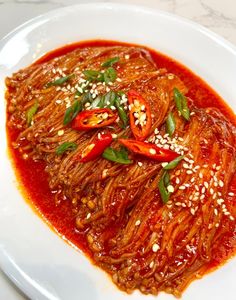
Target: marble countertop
[[217, 15]]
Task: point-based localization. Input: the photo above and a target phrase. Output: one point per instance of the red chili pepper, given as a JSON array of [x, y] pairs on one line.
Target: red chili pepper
[[140, 115], [94, 118], [149, 150], [96, 148]]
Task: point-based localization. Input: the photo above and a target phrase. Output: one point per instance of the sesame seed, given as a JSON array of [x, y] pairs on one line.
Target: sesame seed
[[152, 151], [206, 185], [58, 101], [88, 216], [217, 225], [182, 187], [202, 197], [211, 191], [151, 264], [215, 211], [189, 172], [137, 223], [220, 201], [104, 173], [105, 115], [155, 247], [127, 56], [114, 136], [177, 181], [192, 210], [25, 156], [140, 163], [113, 107], [231, 194], [118, 79], [231, 218], [60, 132], [221, 183], [200, 175], [185, 166], [164, 164], [218, 168], [203, 190], [170, 188]]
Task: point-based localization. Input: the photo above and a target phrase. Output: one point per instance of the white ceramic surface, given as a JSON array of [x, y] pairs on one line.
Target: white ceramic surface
[[34, 257]]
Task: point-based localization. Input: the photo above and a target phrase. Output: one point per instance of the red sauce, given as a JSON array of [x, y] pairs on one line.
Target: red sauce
[[61, 218]]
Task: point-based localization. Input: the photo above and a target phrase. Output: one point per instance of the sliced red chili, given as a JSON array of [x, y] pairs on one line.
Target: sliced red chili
[[94, 118], [140, 115], [96, 148], [149, 150]]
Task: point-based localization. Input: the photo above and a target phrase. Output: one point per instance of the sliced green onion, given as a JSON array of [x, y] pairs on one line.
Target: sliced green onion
[[97, 102], [170, 124], [93, 75], [181, 104], [31, 112], [110, 62], [59, 81], [67, 146], [109, 75], [109, 99], [119, 156], [174, 163], [72, 112], [122, 113], [162, 186]]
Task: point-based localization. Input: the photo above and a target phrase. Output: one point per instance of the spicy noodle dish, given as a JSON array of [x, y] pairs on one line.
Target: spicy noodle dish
[[131, 157]]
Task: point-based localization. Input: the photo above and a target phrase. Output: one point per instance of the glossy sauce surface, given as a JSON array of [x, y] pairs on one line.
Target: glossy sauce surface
[[61, 217]]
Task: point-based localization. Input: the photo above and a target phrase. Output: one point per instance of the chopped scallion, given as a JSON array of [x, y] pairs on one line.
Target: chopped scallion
[[181, 104], [120, 156], [170, 124], [59, 81], [72, 112], [31, 112], [67, 146], [171, 165], [110, 62], [162, 186]]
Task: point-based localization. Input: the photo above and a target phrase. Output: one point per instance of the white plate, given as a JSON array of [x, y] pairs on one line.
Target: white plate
[[33, 256]]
